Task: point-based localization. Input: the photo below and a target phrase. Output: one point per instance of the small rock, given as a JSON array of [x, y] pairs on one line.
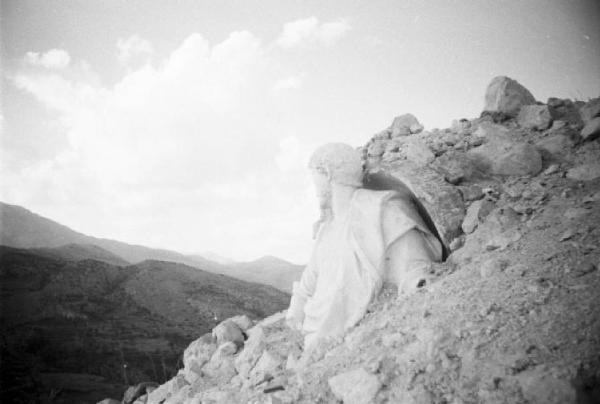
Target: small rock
[[506, 95], [416, 128], [558, 124], [590, 110], [534, 117], [266, 367], [355, 387], [418, 152], [555, 146], [585, 172], [471, 219], [591, 130], [490, 267], [461, 126], [242, 321], [383, 135], [539, 386], [567, 234], [377, 148], [574, 213], [228, 331], [401, 125], [585, 268], [109, 401], [252, 351], [552, 169], [456, 243]]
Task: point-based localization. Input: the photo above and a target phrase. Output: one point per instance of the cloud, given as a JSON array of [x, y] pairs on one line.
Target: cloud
[[53, 59], [134, 48], [289, 83], [309, 32], [189, 147]]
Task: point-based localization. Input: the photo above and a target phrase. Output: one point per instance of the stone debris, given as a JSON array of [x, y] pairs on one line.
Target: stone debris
[[355, 386]]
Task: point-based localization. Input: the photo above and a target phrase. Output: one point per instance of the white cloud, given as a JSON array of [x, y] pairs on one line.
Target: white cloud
[[134, 48], [53, 59], [289, 83], [182, 155], [309, 32]]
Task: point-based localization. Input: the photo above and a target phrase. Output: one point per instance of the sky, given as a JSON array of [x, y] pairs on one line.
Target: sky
[[188, 125]]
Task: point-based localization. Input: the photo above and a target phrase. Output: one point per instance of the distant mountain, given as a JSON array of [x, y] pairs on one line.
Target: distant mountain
[[80, 252], [219, 259], [90, 317], [21, 228], [269, 270]]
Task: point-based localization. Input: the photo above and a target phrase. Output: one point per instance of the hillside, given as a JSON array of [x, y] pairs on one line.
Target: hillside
[[22, 228], [73, 324], [268, 270], [511, 317]]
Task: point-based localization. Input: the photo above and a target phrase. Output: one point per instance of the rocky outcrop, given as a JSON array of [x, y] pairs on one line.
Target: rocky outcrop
[[510, 317]]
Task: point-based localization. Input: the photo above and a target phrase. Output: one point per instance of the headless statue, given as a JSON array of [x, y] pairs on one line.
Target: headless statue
[[363, 238]]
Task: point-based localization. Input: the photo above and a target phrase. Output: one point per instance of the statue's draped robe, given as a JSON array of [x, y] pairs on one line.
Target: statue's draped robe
[[348, 263]]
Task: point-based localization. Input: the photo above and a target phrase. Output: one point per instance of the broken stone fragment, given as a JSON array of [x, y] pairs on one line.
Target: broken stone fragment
[[252, 351], [507, 96], [590, 110], [355, 387], [585, 172], [540, 386], [591, 130], [266, 367], [534, 117]]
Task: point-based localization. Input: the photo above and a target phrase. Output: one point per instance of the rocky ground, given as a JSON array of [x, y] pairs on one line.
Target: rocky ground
[[511, 317]]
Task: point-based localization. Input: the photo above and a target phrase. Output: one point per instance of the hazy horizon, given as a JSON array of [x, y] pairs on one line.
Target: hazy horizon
[[188, 127]]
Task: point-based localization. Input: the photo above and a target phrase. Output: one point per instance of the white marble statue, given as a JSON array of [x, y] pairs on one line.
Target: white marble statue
[[363, 239]]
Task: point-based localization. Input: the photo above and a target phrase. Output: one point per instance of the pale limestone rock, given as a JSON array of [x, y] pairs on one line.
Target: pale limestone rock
[[585, 172], [461, 126], [418, 152], [457, 167], [109, 401], [167, 390], [506, 95], [252, 351], [416, 128], [376, 148], [590, 110], [228, 331], [591, 130], [182, 396], [355, 387], [502, 156], [491, 130], [557, 146], [221, 365], [401, 125], [535, 117], [267, 366], [472, 217]]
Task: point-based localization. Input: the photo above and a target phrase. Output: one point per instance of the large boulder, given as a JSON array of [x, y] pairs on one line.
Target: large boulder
[[507, 155], [507, 96]]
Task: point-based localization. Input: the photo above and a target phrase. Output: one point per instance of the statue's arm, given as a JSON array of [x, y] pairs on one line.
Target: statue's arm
[[409, 259], [301, 292]]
